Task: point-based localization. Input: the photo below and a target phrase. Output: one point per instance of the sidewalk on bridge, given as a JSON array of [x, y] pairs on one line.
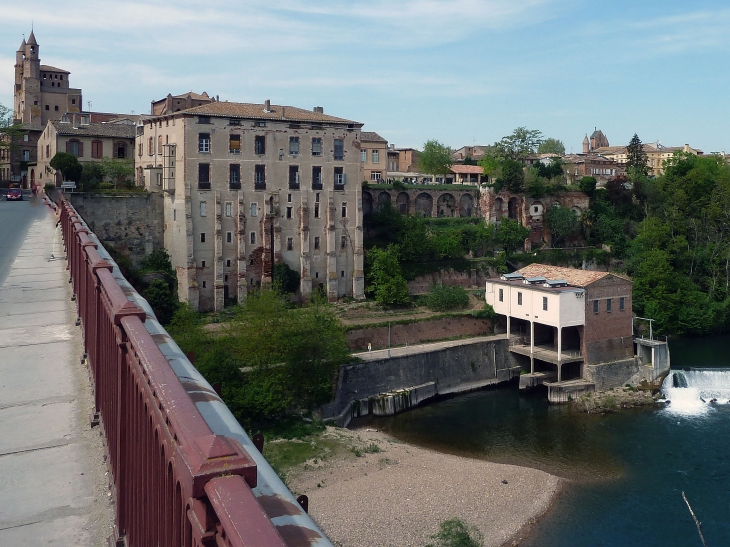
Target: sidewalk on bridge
[[53, 482]]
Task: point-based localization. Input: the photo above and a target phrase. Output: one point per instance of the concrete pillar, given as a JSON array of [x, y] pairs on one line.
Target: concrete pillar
[[218, 294], [532, 347], [305, 283], [508, 325], [332, 280], [560, 352], [242, 284]]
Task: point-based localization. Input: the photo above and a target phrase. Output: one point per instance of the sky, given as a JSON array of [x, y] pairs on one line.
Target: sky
[[462, 72]]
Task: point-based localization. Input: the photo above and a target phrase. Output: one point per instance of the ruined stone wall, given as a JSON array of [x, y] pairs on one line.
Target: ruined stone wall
[[131, 223]]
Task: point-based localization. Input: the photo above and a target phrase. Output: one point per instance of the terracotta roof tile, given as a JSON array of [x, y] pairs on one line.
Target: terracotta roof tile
[[467, 169], [575, 277], [118, 130], [49, 68], [371, 136], [256, 111]]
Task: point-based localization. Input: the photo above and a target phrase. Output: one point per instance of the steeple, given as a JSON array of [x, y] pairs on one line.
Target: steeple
[[586, 144], [31, 39]]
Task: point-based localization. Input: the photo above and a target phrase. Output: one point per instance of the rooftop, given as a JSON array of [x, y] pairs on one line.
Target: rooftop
[[258, 112], [371, 136], [119, 130], [575, 277], [49, 68], [467, 169]]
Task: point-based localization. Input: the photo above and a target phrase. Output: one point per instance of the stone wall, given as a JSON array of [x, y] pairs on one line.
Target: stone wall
[[463, 366], [474, 278], [131, 223], [418, 332]]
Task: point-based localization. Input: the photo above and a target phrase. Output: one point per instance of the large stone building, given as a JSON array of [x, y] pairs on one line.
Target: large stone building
[[596, 140], [247, 186], [88, 141], [42, 93], [656, 154], [577, 166]]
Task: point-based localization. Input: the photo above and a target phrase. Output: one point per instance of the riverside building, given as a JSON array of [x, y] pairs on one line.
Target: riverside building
[[247, 186]]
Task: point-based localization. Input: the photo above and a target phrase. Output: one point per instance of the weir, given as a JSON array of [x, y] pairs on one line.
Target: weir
[[694, 390]]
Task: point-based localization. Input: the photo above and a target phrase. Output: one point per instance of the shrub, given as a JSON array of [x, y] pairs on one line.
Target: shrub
[[286, 280], [456, 533], [446, 297]]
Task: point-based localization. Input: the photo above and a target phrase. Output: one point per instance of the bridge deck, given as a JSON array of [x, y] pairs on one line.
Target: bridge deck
[[52, 482]]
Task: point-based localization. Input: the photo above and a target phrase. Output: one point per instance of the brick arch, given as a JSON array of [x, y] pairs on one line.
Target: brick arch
[[446, 205], [424, 204], [383, 198], [466, 205], [513, 208], [367, 203], [402, 202]]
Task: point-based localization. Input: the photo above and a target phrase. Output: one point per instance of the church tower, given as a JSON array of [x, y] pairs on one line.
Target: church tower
[[586, 144]]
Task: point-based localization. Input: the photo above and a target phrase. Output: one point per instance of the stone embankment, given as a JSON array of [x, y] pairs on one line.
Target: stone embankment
[[611, 400]]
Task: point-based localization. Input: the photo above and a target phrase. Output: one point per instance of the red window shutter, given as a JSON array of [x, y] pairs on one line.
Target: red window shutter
[[81, 149]]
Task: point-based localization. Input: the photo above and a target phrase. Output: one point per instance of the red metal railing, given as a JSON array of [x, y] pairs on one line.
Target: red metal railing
[[175, 482]]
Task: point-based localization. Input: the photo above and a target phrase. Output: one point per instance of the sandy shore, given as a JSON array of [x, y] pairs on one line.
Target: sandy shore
[[399, 494]]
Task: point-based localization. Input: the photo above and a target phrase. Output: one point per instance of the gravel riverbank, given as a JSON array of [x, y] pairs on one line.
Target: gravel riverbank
[[388, 493]]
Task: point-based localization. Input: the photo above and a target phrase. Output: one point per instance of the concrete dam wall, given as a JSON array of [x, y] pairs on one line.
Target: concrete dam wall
[[384, 386]]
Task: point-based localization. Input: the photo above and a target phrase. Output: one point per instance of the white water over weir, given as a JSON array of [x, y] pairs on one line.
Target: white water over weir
[[692, 391]]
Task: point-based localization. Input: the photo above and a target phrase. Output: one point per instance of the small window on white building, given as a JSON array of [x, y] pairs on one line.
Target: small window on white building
[[229, 208], [501, 295], [253, 238], [254, 209], [544, 303], [519, 298], [229, 237], [203, 209]]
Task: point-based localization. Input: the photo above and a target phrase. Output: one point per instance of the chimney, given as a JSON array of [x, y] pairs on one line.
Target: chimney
[[267, 106], [75, 123], [318, 110]]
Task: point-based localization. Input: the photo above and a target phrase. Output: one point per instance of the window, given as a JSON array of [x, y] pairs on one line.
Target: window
[[203, 176], [75, 147], [234, 122], [203, 209], [289, 243], [316, 146], [252, 238], [621, 304], [228, 207], [294, 146], [254, 209], [202, 263], [26, 155], [544, 303], [316, 198], [140, 149], [203, 119], [259, 145], [229, 237], [294, 177], [595, 306], [204, 142], [343, 242], [288, 212], [519, 298], [344, 209], [317, 178], [316, 210], [260, 177], [228, 263], [375, 176], [342, 273], [288, 198], [202, 240], [203, 284], [316, 243], [234, 144], [609, 305], [376, 156], [501, 295], [96, 149], [55, 108], [47, 107], [340, 179], [234, 177], [121, 150], [363, 156], [159, 144], [339, 149], [259, 124]]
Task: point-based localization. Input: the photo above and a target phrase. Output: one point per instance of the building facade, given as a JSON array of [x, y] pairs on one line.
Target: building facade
[[656, 155], [596, 140], [89, 142], [42, 93], [373, 156], [247, 186], [577, 166]]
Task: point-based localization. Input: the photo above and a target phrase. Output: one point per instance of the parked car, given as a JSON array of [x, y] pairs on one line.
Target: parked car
[[14, 194]]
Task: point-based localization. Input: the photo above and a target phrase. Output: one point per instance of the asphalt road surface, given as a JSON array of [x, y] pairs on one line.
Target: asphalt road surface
[[16, 218]]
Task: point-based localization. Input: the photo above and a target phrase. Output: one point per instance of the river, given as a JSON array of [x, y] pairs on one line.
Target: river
[[626, 470]]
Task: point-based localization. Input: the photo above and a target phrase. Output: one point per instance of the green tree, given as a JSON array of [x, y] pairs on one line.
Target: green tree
[[10, 131], [552, 170], [92, 175], [386, 277], [551, 146], [637, 162], [68, 165], [119, 171], [562, 222], [446, 297], [435, 158], [512, 177], [587, 185], [286, 280], [162, 298], [491, 162], [520, 144], [511, 235]]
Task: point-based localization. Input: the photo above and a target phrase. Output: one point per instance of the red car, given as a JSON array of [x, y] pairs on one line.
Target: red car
[[14, 194]]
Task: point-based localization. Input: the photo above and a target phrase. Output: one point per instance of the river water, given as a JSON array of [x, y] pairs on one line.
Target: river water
[[626, 470]]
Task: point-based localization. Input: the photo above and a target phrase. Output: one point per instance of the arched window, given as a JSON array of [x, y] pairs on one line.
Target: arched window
[[151, 146], [159, 144]]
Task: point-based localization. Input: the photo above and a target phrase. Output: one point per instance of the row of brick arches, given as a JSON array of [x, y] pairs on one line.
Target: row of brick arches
[[423, 203]]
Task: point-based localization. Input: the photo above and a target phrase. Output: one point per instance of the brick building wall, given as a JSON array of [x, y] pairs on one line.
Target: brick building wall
[[607, 334]]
